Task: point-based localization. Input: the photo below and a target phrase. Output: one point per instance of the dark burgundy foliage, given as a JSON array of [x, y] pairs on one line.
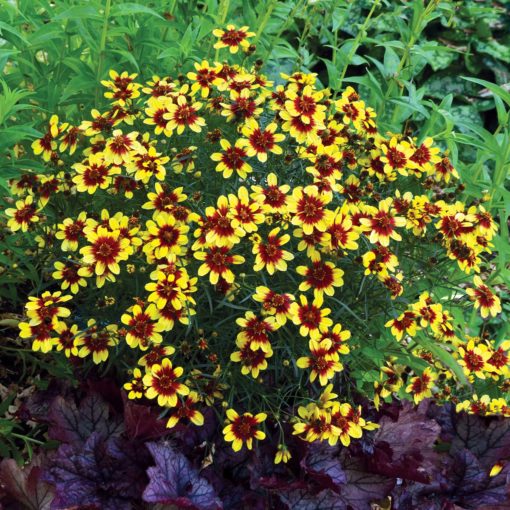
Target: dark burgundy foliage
[[116, 454], [104, 474], [174, 481], [24, 487]]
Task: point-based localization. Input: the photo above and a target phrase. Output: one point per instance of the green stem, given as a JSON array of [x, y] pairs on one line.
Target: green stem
[[355, 45], [265, 19], [102, 45], [416, 30], [222, 16], [284, 26]]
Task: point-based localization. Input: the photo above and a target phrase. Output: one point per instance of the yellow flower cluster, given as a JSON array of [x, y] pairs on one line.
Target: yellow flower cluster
[[228, 191]]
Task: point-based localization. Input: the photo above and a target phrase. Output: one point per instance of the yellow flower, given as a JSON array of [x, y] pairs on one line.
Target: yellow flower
[[242, 429], [282, 454]]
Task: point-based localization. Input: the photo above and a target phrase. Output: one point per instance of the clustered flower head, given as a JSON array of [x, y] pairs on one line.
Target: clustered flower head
[[257, 238]]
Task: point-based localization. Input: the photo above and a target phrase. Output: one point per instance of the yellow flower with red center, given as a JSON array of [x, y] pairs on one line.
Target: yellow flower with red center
[[484, 299], [322, 277], [168, 316], [303, 132], [305, 104], [41, 335], [217, 262], [269, 253], [204, 78], [65, 339], [99, 123], [390, 381], [421, 386], [164, 199], [382, 222], [182, 115], [70, 139], [71, 231], [474, 359], [272, 197], [155, 355], [310, 317], [122, 87], [245, 213], [106, 250], [260, 142], [425, 156], [404, 323], [143, 327], [186, 410], [338, 338], [21, 217], [252, 361], [455, 224], [327, 163], [308, 208], [242, 105], [165, 236], [159, 87], [135, 387], [315, 424], [47, 145], [232, 159], [94, 173], [155, 115], [443, 170], [220, 228], [243, 429], [96, 341], [169, 288], [119, 147], [341, 233], [427, 312], [499, 360], [148, 164], [69, 275], [277, 305], [350, 106], [256, 330], [322, 364], [233, 38], [47, 309], [162, 383], [398, 157]]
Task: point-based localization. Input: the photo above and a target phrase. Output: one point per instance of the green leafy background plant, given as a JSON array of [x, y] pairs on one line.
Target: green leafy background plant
[[429, 68]]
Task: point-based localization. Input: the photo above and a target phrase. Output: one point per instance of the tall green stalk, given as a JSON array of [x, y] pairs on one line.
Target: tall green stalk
[[222, 16], [102, 44], [355, 45]]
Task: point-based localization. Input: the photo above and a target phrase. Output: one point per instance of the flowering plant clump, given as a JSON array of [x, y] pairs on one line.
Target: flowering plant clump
[[221, 241]]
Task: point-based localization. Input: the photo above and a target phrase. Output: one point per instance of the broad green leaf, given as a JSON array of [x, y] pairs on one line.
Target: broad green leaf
[[130, 8]]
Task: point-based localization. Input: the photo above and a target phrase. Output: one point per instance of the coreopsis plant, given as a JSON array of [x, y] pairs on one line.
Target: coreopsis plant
[[222, 241]]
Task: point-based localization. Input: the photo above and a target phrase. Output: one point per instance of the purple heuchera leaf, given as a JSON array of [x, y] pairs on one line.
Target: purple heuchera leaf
[[75, 425], [404, 448], [487, 438], [362, 487], [106, 475], [174, 481], [24, 486], [305, 500], [142, 422], [322, 464]]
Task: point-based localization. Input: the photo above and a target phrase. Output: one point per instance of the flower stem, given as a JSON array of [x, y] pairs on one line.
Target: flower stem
[[355, 45], [102, 44]]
